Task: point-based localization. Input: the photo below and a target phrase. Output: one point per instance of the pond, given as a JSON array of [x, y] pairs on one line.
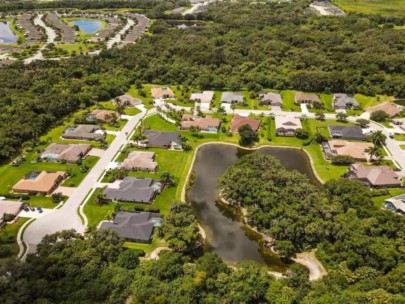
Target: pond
[[6, 34], [87, 26], [226, 236]]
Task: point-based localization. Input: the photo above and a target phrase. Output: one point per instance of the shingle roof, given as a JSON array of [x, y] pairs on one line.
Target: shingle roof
[[140, 160], [43, 183], [160, 138], [271, 98], [9, 207], [238, 121], [287, 122], [229, 97], [70, 153], [388, 107], [201, 122], [82, 131], [357, 150], [376, 175], [132, 189], [301, 96], [203, 97], [162, 92], [347, 132], [135, 226], [341, 100]]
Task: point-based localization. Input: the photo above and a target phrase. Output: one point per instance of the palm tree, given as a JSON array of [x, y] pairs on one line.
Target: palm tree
[[167, 178], [375, 152], [233, 107], [378, 138], [100, 199]]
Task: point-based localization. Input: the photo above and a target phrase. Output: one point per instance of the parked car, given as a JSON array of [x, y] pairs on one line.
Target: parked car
[[40, 210], [32, 208], [25, 208]]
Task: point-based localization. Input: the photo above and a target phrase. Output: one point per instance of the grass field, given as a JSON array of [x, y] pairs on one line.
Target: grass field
[[379, 200], [383, 7], [8, 236]]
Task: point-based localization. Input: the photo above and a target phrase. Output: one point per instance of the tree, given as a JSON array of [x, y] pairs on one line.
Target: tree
[[375, 153], [100, 199], [301, 133], [57, 197], [247, 135], [378, 138], [320, 116], [342, 117], [233, 107], [379, 116], [167, 179], [362, 123]]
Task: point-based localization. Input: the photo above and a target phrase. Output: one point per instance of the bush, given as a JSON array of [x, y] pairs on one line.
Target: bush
[[342, 160], [379, 116], [24, 197], [5, 251], [8, 217]]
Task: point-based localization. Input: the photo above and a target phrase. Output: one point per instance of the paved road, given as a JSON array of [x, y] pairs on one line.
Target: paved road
[[67, 216], [51, 39]]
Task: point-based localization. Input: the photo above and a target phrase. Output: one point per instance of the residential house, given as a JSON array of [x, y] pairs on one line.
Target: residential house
[[232, 97], [390, 108], [271, 98], [344, 101], [127, 100], [203, 97], [357, 150], [161, 139], [65, 152], [102, 115], [286, 126], [142, 161], [309, 98], [206, 124], [238, 121], [83, 132], [396, 204], [42, 182], [347, 132], [162, 93], [374, 176], [133, 189], [9, 207], [133, 226]]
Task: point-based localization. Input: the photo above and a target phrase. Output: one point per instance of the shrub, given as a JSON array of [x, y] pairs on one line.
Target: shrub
[[5, 251], [342, 160]]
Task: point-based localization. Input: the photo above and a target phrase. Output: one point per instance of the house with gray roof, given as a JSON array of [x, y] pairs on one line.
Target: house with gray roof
[[347, 132], [160, 139], [83, 132], [344, 101], [232, 97], [271, 98], [396, 204], [133, 226], [133, 189]]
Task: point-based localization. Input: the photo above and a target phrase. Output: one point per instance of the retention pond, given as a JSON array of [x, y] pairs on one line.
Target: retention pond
[[227, 236]]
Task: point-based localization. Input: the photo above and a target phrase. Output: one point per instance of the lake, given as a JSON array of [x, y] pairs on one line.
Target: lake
[[226, 236], [87, 26], [6, 34]]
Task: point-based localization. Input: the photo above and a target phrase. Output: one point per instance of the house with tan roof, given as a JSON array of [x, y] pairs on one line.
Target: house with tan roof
[[286, 126], [270, 98], [206, 124], [140, 161], [103, 115], [41, 182], [388, 107], [9, 207], [127, 100], [162, 93], [309, 98], [357, 150], [70, 153], [203, 97], [83, 132], [374, 176], [232, 97], [239, 121]]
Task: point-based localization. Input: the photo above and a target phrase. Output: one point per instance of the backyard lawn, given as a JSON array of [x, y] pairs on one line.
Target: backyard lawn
[[288, 101], [383, 7], [148, 248], [8, 236]]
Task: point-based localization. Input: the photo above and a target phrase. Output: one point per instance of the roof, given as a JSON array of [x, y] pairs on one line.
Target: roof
[[398, 202], [128, 100], [238, 121], [288, 122], [101, 114], [229, 97], [344, 100], [132, 189], [347, 132], [140, 160], [158, 93], [160, 138], [203, 97], [301, 96], [9, 207], [129, 225], [271, 97], [67, 152], [358, 150], [388, 107], [82, 131], [376, 175], [43, 182], [202, 122]]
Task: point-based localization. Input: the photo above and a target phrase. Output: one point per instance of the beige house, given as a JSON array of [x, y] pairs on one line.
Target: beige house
[[165, 93], [203, 97], [70, 153], [357, 150], [127, 100], [309, 98], [286, 126], [206, 124], [388, 107], [379, 176], [39, 182], [104, 115], [142, 161]]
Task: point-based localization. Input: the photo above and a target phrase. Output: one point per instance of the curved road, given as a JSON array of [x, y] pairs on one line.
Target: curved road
[[67, 216]]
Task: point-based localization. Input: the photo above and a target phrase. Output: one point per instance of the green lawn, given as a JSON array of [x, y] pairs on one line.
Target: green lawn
[[370, 101], [379, 200], [399, 137], [148, 248], [402, 147], [383, 7], [147, 99], [288, 101], [8, 236]]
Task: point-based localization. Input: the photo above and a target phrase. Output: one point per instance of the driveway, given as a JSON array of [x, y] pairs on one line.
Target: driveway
[[35, 214], [67, 216], [96, 152], [67, 191]]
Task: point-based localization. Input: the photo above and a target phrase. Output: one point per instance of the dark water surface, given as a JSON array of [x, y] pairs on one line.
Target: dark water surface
[[227, 236]]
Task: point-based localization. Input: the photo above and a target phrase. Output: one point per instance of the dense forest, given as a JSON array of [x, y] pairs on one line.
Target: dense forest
[[279, 46]]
